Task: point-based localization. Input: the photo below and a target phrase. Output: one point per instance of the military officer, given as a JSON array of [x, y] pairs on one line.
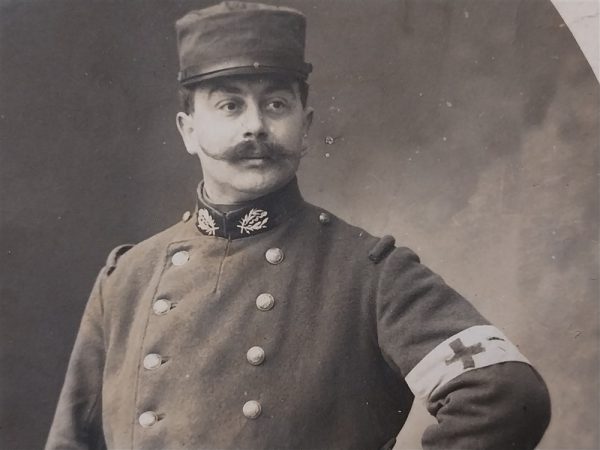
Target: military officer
[[260, 321]]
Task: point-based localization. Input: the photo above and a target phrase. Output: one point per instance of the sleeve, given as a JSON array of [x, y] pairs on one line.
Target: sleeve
[[77, 422], [482, 391]]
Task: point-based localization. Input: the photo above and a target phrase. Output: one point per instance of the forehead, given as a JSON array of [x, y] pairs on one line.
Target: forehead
[[248, 85]]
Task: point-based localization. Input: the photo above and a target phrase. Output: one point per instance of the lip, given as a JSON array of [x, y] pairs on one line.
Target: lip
[[256, 160]]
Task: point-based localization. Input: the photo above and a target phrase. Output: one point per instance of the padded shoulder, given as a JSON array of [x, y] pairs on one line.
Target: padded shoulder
[[382, 248], [114, 255]]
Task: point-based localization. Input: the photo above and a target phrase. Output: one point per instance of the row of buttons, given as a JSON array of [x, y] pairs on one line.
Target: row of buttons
[[153, 360], [264, 302], [251, 410], [255, 355], [162, 306], [273, 256]]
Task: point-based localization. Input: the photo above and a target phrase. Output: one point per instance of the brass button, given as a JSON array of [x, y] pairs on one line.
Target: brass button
[[180, 258], [274, 255], [148, 418], [255, 356], [152, 361], [265, 302], [186, 216], [252, 409], [161, 306]]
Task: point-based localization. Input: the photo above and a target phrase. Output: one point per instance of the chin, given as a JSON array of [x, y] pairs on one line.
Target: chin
[[257, 185]]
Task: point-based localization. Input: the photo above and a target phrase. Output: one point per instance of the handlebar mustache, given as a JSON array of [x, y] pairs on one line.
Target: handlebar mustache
[[254, 149]]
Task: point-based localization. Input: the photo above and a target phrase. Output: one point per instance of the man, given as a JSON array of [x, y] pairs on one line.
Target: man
[[263, 322]]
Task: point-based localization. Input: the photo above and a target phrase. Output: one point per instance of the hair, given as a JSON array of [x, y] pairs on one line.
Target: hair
[[186, 94]]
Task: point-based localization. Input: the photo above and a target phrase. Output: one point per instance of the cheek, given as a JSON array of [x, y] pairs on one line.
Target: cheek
[[213, 134], [289, 133]]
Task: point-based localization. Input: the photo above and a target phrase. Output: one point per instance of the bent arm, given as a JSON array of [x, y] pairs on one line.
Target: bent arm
[[482, 391], [498, 407]]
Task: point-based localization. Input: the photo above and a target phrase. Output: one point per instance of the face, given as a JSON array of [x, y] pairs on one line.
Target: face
[[249, 133]]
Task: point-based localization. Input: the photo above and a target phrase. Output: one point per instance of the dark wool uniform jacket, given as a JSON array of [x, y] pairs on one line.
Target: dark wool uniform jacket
[[346, 318]]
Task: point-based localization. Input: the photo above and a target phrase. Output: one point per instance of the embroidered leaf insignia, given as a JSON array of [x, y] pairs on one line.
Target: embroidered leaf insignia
[[206, 223], [255, 220]]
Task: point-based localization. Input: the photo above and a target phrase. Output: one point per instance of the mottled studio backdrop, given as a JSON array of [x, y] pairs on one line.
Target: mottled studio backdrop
[[468, 129]]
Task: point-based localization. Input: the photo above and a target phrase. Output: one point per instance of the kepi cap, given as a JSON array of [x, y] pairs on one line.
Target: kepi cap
[[234, 38]]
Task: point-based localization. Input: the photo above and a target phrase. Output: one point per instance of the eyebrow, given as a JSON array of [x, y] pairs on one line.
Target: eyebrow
[[274, 86], [225, 88], [280, 86]]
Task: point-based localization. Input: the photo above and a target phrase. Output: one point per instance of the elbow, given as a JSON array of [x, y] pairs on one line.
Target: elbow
[[499, 407], [518, 403], [531, 407]]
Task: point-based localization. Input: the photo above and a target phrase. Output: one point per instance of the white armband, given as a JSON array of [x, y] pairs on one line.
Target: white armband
[[473, 348]]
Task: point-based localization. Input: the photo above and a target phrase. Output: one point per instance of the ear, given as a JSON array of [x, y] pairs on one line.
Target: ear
[[308, 118], [185, 125], [306, 123]]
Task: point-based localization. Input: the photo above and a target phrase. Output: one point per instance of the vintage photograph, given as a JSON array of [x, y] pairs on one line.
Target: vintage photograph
[[304, 224]]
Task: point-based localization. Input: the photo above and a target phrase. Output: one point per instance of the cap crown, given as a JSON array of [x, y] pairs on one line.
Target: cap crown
[[241, 38]]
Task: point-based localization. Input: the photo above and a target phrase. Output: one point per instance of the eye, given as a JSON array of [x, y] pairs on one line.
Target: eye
[[229, 106], [276, 105]]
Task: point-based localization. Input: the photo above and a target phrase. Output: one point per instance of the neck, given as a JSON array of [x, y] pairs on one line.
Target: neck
[[218, 194], [220, 206], [223, 198]]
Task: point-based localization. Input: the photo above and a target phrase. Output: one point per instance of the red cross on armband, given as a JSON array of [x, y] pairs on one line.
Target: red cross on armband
[[464, 354], [473, 348]]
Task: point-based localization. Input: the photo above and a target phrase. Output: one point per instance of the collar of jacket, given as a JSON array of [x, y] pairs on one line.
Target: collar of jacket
[[255, 217]]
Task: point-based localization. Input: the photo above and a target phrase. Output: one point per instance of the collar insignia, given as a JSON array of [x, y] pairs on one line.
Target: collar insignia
[[206, 222], [250, 219], [255, 220]]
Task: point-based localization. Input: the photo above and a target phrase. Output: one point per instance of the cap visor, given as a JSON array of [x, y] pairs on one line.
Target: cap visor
[[245, 70]]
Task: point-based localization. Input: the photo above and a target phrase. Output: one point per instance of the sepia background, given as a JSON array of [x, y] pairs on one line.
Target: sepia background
[[467, 129]]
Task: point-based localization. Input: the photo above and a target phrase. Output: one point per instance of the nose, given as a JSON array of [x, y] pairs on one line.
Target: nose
[[254, 124]]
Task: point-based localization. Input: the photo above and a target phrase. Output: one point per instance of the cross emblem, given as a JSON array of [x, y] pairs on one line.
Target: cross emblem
[[464, 354]]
